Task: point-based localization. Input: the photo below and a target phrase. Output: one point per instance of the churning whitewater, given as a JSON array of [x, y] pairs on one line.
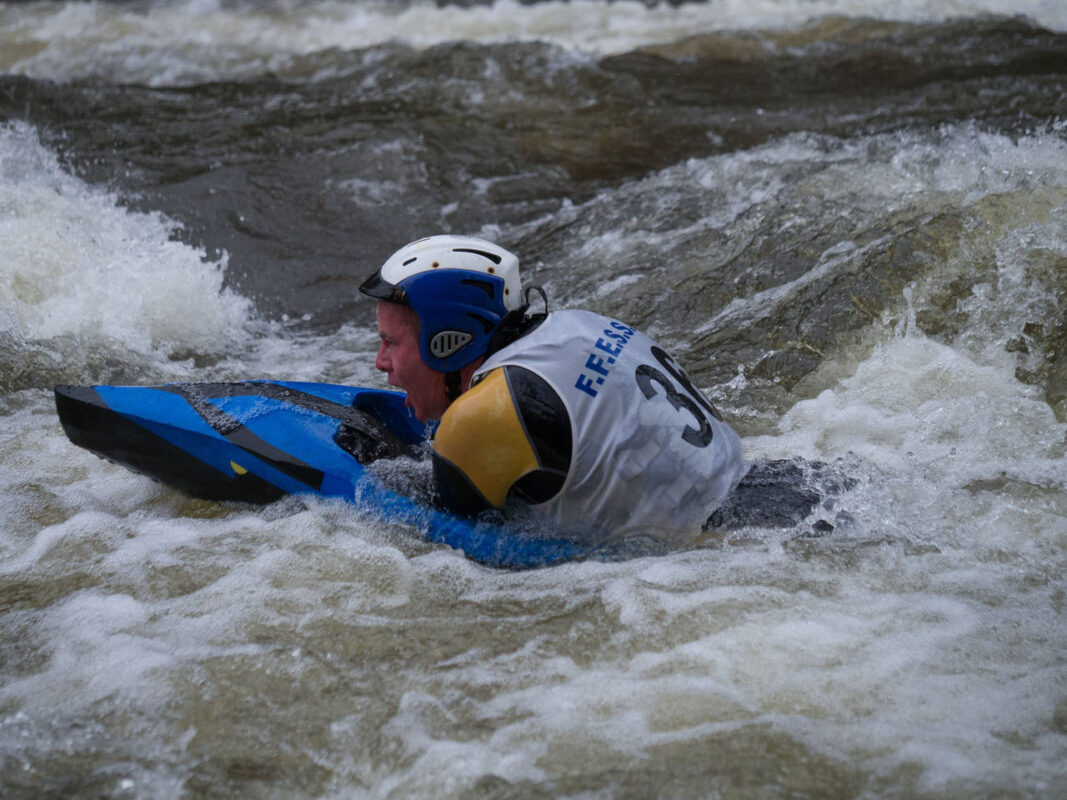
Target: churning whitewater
[[848, 221]]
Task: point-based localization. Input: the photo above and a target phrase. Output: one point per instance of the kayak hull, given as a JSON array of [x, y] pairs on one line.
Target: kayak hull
[[257, 441]]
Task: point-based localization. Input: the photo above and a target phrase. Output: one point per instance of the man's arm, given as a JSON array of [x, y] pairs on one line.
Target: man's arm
[[509, 435]]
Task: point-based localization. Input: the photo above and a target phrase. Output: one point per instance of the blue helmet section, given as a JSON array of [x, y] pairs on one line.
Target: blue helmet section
[[453, 304]]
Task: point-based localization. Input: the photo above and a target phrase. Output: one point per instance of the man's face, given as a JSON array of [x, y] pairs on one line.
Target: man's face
[[400, 359]]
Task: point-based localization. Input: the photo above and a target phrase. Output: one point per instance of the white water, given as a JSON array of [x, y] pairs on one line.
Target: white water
[[76, 263], [921, 645], [191, 41], [923, 639]]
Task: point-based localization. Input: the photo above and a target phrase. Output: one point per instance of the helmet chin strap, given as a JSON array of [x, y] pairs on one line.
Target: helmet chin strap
[[513, 325], [453, 389]]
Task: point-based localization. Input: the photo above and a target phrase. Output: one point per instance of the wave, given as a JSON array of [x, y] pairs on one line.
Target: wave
[[196, 41], [78, 269]]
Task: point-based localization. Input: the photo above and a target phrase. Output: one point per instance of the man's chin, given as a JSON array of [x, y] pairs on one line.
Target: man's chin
[[408, 404]]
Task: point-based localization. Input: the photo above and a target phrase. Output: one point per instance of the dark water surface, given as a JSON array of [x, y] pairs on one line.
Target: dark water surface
[[851, 228]]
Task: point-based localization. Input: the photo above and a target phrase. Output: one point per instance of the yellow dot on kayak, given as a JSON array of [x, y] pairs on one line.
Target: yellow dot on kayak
[[238, 468]]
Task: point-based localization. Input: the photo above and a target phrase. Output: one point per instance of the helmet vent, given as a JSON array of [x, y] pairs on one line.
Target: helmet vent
[[446, 343], [487, 324], [491, 256], [485, 286]]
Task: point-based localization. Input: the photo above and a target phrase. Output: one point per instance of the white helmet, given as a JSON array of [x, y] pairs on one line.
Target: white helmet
[[460, 287]]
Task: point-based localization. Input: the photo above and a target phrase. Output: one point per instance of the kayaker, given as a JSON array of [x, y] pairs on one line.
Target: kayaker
[[578, 416]]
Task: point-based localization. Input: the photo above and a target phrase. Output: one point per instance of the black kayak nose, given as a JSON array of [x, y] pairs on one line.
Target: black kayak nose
[[80, 409], [90, 423], [80, 394]]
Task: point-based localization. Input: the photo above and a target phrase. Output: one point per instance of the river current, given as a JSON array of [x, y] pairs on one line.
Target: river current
[[848, 221]]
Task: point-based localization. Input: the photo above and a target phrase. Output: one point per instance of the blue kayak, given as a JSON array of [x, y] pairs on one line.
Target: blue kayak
[[257, 441]]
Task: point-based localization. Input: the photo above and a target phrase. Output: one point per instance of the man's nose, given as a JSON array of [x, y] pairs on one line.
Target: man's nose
[[381, 362]]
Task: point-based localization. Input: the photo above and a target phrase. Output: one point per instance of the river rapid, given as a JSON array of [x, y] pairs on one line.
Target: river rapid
[[847, 220]]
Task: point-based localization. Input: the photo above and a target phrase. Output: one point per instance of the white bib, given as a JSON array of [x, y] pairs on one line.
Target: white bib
[[648, 454]]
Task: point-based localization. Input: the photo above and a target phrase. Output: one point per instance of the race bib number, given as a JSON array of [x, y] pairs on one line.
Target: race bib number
[[682, 395]]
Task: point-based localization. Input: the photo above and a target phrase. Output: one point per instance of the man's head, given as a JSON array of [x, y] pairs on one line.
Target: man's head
[[399, 357], [441, 300]]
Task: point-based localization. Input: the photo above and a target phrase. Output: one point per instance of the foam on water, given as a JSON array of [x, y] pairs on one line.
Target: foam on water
[[199, 40], [938, 408], [969, 469], [918, 648], [976, 207], [91, 291], [189, 622], [75, 263]]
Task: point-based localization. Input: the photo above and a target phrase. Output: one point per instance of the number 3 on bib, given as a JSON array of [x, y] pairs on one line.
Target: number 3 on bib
[[688, 397]]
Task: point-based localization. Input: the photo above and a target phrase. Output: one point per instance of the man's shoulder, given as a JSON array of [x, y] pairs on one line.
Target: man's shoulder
[[487, 392], [482, 441], [505, 398]]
